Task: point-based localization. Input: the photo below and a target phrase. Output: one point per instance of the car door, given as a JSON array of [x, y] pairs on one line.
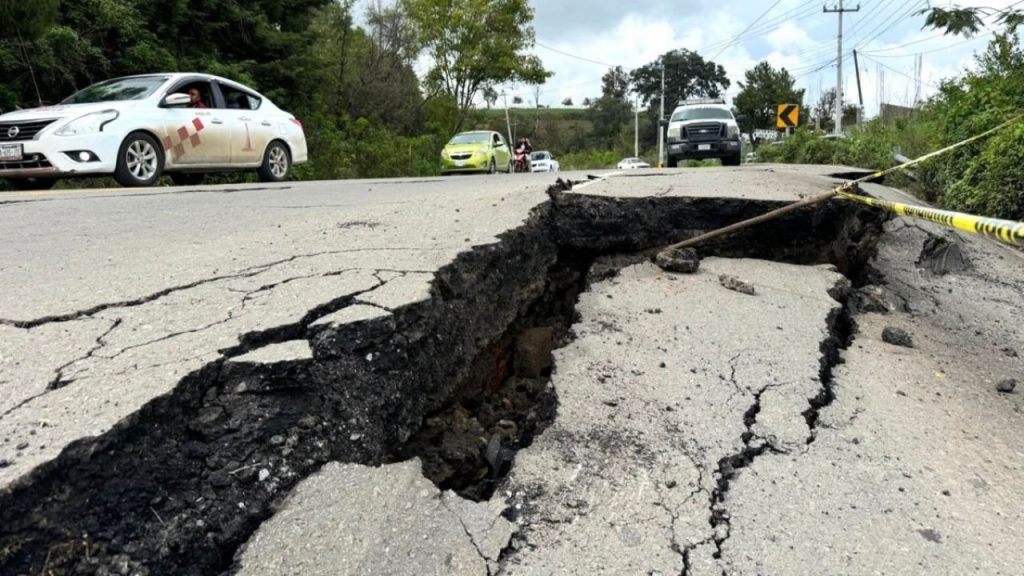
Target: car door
[[196, 136], [502, 154], [251, 128]]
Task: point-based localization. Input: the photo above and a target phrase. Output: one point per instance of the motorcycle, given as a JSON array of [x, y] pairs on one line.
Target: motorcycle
[[521, 160]]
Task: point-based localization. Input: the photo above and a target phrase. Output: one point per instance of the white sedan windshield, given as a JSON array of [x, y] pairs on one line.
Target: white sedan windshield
[[137, 88]]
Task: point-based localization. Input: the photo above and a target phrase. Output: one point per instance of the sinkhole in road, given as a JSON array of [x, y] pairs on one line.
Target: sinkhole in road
[[461, 381]]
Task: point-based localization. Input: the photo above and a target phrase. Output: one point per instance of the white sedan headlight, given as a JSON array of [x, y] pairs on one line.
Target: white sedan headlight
[[88, 124], [733, 131]]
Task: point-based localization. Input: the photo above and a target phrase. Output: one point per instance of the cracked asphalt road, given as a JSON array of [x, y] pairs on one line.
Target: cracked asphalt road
[[682, 442], [653, 394]]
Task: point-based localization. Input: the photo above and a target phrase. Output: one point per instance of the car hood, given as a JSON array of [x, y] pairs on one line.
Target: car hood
[[61, 111], [457, 148]]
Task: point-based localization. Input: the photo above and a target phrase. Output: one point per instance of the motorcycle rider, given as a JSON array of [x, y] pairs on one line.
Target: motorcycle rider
[[524, 148]]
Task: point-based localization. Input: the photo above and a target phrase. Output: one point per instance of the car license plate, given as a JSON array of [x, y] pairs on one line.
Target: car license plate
[[703, 146], [460, 163], [10, 152]]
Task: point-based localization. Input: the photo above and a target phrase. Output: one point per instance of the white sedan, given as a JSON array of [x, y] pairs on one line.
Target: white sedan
[[632, 164], [141, 127], [543, 161]]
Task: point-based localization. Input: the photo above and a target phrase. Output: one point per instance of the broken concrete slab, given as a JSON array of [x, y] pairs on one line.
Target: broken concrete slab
[[915, 467], [352, 328], [405, 290], [154, 347], [625, 479], [350, 519]]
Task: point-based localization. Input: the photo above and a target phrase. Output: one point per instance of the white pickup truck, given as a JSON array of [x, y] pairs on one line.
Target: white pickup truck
[[700, 129]]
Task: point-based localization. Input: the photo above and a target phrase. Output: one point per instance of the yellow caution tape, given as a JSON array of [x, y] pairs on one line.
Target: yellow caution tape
[[1006, 231]]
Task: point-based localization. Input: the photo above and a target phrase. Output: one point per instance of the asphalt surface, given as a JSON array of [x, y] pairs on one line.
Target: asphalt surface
[[682, 441]]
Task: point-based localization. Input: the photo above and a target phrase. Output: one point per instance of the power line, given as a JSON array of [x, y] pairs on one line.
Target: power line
[[570, 55], [809, 7], [940, 49], [745, 30], [904, 14], [905, 75]]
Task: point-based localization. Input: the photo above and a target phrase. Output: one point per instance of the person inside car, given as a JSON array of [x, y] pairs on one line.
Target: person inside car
[[196, 97]]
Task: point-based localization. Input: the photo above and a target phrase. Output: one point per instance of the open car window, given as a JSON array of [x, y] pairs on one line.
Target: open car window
[[204, 87]]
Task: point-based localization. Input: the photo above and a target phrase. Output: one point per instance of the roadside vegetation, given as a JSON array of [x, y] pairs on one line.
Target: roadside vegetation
[[985, 177]]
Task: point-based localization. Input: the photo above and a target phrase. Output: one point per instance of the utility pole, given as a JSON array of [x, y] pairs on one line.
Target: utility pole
[[839, 61], [661, 118], [860, 92], [636, 128], [508, 123]]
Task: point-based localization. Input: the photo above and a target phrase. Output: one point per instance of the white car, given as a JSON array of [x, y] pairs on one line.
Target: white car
[[632, 164], [140, 127], [543, 161]]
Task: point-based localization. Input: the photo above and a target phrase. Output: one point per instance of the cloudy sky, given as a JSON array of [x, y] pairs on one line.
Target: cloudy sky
[[578, 39]]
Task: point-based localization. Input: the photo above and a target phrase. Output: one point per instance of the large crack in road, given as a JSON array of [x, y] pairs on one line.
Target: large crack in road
[[183, 483]]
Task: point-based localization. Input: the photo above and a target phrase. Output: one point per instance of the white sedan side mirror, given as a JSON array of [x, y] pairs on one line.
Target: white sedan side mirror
[[177, 100]]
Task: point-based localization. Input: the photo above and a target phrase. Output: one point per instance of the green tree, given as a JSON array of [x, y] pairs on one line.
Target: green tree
[[967, 21], [687, 75], [490, 96], [475, 44], [610, 113], [824, 113], [615, 83], [764, 89], [29, 21]]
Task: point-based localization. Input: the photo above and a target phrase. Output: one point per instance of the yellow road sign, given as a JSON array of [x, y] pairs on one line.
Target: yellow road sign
[[788, 116]]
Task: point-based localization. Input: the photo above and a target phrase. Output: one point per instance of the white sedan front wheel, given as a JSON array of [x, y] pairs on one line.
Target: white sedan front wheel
[[140, 161]]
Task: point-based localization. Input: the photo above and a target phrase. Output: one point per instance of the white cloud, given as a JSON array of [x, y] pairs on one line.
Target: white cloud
[[789, 35]]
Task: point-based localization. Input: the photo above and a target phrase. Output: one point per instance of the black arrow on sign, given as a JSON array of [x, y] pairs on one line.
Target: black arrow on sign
[[787, 116]]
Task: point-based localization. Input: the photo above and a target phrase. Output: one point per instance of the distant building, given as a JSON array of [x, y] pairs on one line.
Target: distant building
[[890, 112]]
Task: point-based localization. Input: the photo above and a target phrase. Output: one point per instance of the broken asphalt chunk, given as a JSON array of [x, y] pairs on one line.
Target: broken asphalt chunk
[[683, 260], [1006, 386], [735, 284], [897, 337]]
